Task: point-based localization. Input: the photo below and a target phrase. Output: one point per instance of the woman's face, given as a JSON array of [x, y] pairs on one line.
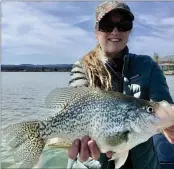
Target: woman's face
[[114, 41]]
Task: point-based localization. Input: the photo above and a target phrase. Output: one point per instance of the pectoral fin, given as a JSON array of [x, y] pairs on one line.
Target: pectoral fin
[[59, 143], [119, 159]]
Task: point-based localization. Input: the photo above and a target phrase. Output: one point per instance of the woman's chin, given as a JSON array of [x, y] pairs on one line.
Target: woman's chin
[[113, 51]]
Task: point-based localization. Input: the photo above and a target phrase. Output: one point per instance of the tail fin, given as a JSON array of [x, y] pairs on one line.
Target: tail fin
[[25, 140]]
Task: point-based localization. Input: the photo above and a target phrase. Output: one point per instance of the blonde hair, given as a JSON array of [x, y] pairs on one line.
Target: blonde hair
[[96, 70]]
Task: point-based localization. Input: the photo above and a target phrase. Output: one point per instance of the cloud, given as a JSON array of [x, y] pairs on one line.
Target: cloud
[[28, 31], [62, 32], [153, 29], [168, 21]]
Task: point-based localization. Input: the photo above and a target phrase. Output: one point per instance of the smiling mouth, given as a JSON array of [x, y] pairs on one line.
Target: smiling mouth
[[115, 39]]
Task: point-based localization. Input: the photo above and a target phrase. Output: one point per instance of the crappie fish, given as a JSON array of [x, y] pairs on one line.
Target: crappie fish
[[117, 123]]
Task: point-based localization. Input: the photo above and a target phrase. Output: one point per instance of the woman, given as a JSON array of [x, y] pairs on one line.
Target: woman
[[111, 67]]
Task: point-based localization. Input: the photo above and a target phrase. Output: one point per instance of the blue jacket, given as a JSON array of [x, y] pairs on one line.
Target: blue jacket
[[142, 78]]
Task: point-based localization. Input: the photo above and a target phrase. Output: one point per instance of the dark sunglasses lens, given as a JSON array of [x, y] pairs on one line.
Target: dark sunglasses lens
[[104, 27], [121, 26], [124, 26]]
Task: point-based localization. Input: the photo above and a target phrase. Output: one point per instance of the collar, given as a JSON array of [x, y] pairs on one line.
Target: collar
[[125, 58]]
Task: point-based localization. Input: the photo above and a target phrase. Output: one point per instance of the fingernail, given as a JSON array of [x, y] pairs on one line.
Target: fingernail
[[91, 144]]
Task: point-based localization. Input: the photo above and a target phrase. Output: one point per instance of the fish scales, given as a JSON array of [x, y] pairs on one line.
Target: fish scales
[[78, 121], [116, 122]]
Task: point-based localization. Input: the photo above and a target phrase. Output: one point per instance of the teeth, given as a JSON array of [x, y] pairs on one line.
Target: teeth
[[115, 40]]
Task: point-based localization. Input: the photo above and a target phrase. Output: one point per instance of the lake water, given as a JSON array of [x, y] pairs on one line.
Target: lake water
[[23, 95]]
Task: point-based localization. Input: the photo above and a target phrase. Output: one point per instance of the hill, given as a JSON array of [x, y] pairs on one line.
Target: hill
[[37, 68]]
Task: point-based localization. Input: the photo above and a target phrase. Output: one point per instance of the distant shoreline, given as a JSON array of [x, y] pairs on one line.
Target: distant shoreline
[[166, 66], [36, 68], [63, 70]]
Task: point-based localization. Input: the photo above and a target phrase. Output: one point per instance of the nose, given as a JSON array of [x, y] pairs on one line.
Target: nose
[[115, 31]]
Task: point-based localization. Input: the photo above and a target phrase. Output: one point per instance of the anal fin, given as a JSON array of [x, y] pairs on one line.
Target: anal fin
[[119, 159]]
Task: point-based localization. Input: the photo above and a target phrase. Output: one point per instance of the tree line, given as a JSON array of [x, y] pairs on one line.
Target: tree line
[[35, 68]]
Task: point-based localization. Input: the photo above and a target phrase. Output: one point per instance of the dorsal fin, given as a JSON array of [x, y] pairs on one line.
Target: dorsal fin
[[59, 97]]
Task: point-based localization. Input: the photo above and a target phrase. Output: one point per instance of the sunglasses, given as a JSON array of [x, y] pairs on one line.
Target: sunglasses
[[122, 26]]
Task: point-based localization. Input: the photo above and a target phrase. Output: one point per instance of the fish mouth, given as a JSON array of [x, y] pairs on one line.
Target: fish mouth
[[164, 115]]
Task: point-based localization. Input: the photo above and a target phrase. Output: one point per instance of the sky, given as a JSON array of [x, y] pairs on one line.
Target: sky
[[62, 32]]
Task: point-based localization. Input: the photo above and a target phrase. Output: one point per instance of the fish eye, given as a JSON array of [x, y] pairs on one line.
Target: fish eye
[[149, 109]]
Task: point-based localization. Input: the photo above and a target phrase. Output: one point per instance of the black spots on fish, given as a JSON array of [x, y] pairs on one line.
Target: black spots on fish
[[48, 132], [53, 123], [43, 126], [30, 129], [26, 143], [33, 135], [39, 143], [117, 138], [29, 152]]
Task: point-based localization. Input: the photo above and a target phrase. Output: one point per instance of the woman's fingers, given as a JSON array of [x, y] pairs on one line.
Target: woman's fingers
[[94, 150], [109, 154], [169, 134], [79, 147], [84, 149], [74, 150]]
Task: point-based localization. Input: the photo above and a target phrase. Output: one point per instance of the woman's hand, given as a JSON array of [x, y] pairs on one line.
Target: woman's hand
[[86, 148], [169, 134], [167, 112]]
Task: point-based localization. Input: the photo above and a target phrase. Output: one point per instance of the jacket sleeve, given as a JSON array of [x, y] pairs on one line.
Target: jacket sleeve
[[158, 88], [77, 75], [89, 164], [78, 78]]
